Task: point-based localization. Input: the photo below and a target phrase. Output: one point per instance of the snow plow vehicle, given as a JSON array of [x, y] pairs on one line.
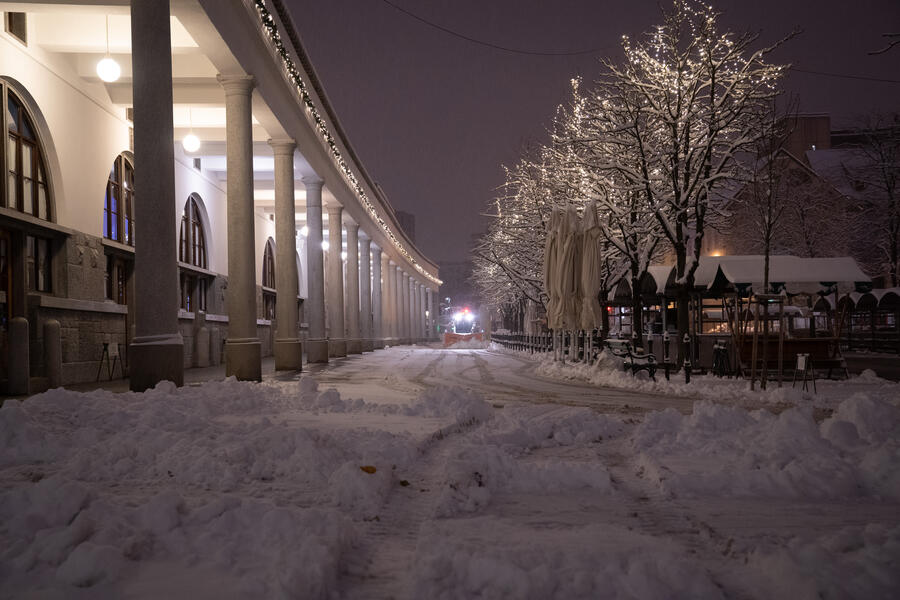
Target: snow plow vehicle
[[462, 326]]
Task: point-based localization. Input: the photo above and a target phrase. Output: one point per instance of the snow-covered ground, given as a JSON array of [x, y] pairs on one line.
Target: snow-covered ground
[[419, 472]]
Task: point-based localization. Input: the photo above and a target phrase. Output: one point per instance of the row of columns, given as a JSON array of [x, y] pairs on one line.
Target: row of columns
[[386, 304]]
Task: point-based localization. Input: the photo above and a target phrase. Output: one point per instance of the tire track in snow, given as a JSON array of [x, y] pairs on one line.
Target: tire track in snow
[[380, 567], [643, 508]]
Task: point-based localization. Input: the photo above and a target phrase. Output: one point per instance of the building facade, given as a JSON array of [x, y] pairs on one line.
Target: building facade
[[123, 242]]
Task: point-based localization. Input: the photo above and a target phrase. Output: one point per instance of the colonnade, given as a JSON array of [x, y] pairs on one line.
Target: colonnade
[[371, 301]]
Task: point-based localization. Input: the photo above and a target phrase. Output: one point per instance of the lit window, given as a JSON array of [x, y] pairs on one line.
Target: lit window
[[37, 264], [268, 281], [118, 208], [26, 182], [192, 240]]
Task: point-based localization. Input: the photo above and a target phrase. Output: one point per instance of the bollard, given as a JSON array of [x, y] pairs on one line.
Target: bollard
[[201, 347], [215, 347], [19, 365], [687, 358], [53, 353]]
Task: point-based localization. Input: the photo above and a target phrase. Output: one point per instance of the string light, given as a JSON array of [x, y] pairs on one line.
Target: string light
[[271, 29]]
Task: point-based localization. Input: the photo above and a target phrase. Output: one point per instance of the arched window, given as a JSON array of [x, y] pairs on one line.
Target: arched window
[[118, 211], [192, 240], [192, 251], [26, 183], [268, 281]]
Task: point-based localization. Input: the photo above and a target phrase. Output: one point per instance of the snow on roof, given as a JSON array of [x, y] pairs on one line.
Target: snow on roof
[[836, 166], [799, 275], [660, 274]]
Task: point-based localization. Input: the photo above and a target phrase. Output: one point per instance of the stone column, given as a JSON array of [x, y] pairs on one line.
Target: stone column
[[387, 309], [421, 298], [407, 330], [401, 321], [429, 308], [414, 327], [354, 337], [377, 299], [242, 348], [317, 343], [365, 294], [337, 341], [396, 302], [417, 312], [288, 350], [391, 306], [422, 328], [157, 350]]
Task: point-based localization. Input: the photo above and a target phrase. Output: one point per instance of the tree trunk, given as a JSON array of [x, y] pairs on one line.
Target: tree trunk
[[604, 313], [683, 302], [637, 316]]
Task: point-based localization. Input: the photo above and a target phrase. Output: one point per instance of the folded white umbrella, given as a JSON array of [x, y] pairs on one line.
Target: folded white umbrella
[[551, 249]]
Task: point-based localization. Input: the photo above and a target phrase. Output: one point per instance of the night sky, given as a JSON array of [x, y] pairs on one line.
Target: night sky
[[433, 117]]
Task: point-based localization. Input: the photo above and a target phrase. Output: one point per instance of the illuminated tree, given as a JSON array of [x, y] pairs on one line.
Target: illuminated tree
[[674, 116]]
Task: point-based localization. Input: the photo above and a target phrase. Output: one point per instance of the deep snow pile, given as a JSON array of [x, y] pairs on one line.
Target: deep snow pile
[[239, 490], [220, 480], [607, 371], [720, 450]]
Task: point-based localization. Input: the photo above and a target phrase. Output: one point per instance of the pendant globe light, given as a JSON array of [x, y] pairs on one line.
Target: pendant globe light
[[191, 143], [108, 70]]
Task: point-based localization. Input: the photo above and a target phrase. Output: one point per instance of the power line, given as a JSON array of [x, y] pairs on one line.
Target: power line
[[845, 76], [594, 50], [489, 44]]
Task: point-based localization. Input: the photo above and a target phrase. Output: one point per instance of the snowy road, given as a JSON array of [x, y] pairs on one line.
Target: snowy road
[[498, 377], [429, 473]]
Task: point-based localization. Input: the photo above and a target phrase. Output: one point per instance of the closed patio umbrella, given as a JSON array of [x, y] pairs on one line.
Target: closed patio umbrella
[[569, 271], [551, 249]]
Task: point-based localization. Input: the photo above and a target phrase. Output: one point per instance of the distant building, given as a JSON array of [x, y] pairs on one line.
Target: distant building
[[457, 282], [407, 222], [832, 209]]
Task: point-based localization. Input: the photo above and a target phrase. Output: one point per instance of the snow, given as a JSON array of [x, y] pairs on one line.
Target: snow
[[432, 473]]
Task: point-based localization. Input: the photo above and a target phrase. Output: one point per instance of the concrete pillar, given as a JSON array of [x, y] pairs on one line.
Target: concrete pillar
[[398, 304], [157, 350], [365, 294], [215, 347], [423, 320], [288, 349], [378, 289], [201, 340], [429, 310], [19, 357], [53, 353], [417, 312], [317, 343], [395, 303], [390, 318], [420, 316], [354, 337], [414, 309], [337, 341], [242, 348], [404, 314]]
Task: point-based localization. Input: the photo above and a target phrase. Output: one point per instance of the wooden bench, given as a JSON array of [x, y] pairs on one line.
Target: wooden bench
[[633, 361]]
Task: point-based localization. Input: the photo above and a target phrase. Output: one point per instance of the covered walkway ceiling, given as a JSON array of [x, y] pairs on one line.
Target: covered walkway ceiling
[[76, 34]]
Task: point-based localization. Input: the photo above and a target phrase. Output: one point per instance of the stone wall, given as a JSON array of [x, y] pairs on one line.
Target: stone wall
[[82, 334]]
